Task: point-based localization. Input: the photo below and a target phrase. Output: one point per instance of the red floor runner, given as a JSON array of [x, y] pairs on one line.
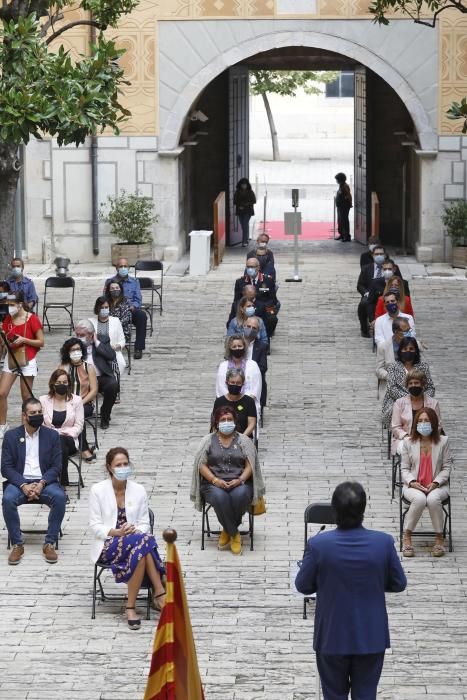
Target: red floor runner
[[311, 230]]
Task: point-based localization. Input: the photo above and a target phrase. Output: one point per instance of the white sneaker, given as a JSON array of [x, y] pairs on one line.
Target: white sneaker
[[3, 429]]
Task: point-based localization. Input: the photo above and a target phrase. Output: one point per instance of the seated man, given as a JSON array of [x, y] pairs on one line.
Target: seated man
[[264, 255], [366, 258], [383, 324], [102, 356], [262, 241], [31, 465], [369, 273], [266, 303], [387, 350], [132, 292], [18, 282]]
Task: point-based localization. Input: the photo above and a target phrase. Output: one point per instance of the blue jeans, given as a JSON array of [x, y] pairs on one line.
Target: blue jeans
[[52, 495], [244, 220]]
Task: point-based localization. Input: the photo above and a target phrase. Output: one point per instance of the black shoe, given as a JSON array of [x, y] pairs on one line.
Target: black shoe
[[134, 624], [138, 354], [346, 240], [104, 424], [339, 238], [365, 334]]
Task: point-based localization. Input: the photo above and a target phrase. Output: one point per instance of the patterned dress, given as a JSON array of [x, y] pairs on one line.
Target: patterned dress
[[124, 553]]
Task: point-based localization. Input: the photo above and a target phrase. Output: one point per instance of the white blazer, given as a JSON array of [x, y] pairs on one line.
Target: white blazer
[[253, 381], [117, 337], [103, 511]]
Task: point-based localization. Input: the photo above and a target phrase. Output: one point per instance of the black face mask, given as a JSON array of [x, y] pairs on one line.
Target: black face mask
[[36, 420], [238, 352], [415, 390], [115, 293], [61, 389], [408, 356], [234, 389]]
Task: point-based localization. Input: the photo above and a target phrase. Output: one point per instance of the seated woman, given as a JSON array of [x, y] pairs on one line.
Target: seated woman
[[395, 285], [119, 520], [236, 358], [119, 306], [245, 310], [63, 411], [235, 398], [107, 326], [407, 406], [408, 357], [227, 475], [83, 381], [425, 470]]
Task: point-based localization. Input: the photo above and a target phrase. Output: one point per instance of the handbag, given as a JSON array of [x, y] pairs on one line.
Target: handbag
[[259, 508]]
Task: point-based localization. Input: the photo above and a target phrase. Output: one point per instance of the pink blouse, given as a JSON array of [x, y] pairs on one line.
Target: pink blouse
[[425, 472]]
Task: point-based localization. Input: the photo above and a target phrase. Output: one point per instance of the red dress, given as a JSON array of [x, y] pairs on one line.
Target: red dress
[[381, 309]]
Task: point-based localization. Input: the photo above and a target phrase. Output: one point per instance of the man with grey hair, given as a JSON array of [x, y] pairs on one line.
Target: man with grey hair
[[387, 351], [101, 355]]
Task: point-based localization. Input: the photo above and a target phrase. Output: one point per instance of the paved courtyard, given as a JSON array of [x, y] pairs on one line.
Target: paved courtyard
[[322, 425]]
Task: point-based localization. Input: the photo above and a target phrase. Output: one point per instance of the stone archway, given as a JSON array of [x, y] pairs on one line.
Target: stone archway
[[192, 54]]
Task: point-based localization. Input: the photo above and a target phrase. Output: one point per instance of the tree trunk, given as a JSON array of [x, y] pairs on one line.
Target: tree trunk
[[272, 127], [9, 174]]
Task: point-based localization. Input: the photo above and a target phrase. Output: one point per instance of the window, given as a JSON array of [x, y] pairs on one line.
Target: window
[[343, 86]]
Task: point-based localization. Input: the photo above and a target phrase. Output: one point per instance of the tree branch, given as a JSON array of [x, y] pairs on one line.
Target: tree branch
[[50, 23], [71, 25]]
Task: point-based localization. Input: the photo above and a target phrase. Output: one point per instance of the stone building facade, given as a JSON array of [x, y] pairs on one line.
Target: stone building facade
[[189, 55]]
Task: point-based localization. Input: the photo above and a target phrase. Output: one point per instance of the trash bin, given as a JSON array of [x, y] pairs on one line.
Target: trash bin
[[200, 252]]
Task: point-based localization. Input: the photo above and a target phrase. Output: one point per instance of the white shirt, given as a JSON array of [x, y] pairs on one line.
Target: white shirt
[[32, 468], [383, 326], [90, 360]]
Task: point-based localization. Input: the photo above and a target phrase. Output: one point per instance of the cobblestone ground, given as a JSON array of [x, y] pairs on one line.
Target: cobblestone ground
[[321, 426]]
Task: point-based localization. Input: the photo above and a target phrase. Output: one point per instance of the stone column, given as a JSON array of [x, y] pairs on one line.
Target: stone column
[[430, 245]]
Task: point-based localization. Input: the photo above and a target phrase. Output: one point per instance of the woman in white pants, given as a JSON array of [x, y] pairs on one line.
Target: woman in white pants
[[425, 470]]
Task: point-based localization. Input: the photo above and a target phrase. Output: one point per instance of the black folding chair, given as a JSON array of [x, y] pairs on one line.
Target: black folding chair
[[152, 285], [60, 283], [206, 528], [93, 421], [404, 506], [128, 347], [99, 570], [316, 514], [77, 462]]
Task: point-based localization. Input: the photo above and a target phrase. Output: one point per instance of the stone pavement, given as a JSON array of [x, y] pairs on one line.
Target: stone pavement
[[321, 426]]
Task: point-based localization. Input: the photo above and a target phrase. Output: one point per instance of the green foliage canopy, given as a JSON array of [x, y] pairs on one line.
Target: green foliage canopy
[[287, 83]]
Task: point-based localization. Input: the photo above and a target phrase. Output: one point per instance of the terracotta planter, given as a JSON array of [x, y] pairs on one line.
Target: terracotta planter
[[459, 256], [131, 251]]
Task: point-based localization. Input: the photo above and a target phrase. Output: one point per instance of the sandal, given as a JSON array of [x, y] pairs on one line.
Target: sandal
[[157, 606], [438, 550], [408, 550], [133, 624]]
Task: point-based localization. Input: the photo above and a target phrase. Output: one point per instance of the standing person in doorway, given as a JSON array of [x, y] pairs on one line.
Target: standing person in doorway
[[343, 206], [244, 199], [350, 568]]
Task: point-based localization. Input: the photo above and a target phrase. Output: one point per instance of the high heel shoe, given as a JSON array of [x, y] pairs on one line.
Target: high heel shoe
[[134, 624]]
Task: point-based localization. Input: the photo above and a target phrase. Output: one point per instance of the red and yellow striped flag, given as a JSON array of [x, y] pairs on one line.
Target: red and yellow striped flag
[[174, 673]]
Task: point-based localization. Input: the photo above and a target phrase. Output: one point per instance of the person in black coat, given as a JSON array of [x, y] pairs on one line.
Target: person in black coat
[[366, 258], [103, 357], [369, 273], [244, 199], [343, 206], [259, 353], [266, 302]]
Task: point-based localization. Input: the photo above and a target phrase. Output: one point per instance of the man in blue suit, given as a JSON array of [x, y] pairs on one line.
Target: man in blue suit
[[31, 465], [350, 569]]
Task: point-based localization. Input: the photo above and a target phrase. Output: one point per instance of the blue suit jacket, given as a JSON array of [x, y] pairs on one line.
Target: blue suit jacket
[[350, 570], [14, 455]]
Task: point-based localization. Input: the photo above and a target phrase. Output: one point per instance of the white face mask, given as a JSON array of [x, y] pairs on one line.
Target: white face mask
[[76, 355], [13, 310], [387, 274]]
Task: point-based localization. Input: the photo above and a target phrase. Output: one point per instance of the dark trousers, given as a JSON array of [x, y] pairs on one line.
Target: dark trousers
[[244, 220], [343, 225], [363, 314], [108, 387], [230, 506], [52, 495], [88, 411], [270, 323], [357, 674], [68, 448], [140, 321]]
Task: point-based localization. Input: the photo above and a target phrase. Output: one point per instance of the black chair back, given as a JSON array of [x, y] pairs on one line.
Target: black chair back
[[60, 282], [145, 282], [148, 266]]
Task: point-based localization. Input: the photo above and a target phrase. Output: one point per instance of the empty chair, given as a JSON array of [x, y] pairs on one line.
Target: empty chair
[[148, 284], [59, 301]]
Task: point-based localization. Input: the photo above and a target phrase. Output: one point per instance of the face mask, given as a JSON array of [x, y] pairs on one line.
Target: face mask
[[408, 356], [123, 271], [16, 271], [250, 311], [262, 245], [387, 274], [391, 308], [3, 295], [250, 333], [122, 473], [415, 390], [234, 389], [104, 313], [13, 310], [227, 427], [61, 389], [238, 352], [76, 355], [408, 334], [379, 259], [251, 271], [84, 340], [371, 247], [424, 429], [115, 293], [36, 421]]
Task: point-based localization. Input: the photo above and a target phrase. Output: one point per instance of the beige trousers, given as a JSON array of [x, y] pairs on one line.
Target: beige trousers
[[419, 501]]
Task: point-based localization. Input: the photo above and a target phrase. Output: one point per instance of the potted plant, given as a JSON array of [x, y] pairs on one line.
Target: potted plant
[[455, 220], [131, 218]]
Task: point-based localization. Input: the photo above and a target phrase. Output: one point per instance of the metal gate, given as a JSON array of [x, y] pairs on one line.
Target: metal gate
[[239, 141], [361, 213]]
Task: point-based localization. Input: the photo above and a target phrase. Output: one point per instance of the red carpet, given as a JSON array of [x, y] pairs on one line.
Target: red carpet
[[311, 230]]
